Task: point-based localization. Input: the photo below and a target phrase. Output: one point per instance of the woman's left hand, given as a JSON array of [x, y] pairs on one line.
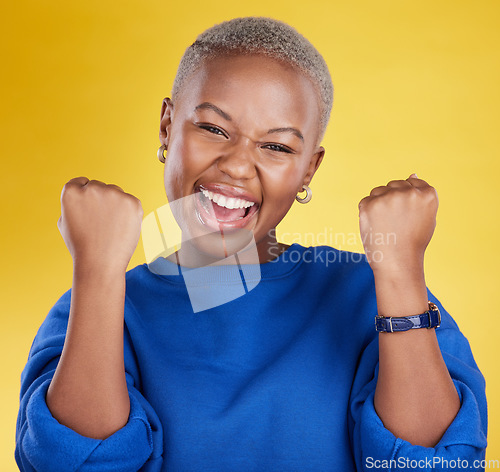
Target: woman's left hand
[[396, 224]]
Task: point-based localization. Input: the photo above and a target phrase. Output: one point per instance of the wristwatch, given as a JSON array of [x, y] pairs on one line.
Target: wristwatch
[[390, 324]]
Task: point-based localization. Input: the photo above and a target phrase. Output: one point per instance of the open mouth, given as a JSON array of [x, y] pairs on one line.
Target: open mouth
[[221, 211]]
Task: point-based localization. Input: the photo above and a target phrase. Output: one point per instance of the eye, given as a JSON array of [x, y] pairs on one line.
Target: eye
[[212, 129], [278, 148]]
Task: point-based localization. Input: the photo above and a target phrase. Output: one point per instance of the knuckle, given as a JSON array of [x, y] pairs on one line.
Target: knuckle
[[131, 200], [76, 182], [414, 194], [96, 188], [432, 195], [363, 202], [95, 184], [140, 211], [115, 187], [68, 190], [137, 205], [377, 190], [431, 191]]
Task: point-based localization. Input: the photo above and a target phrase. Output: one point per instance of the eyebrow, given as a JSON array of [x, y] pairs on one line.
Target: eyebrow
[[216, 109], [211, 106], [295, 131]]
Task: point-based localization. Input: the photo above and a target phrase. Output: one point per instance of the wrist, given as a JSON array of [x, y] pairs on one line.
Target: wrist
[[400, 291], [86, 269], [399, 267]]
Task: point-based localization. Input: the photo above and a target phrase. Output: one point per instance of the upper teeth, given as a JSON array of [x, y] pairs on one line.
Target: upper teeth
[[227, 202]]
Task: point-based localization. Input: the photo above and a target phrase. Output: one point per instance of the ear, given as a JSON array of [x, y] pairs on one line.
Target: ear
[[167, 108], [316, 159]]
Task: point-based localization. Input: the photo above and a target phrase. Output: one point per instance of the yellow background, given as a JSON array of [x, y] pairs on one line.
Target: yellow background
[[416, 90]]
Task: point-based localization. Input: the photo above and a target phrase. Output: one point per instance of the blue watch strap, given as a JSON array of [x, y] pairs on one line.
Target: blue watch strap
[[390, 324]]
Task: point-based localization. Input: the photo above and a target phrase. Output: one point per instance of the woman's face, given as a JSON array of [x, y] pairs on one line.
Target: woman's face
[[242, 133]]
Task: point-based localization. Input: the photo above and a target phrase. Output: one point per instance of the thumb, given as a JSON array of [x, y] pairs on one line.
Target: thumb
[[413, 176]]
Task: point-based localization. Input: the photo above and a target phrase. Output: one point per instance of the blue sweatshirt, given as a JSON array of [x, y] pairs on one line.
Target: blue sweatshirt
[[281, 378]]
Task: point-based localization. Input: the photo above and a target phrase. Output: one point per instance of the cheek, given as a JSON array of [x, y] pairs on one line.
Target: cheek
[[186, 161], [281, 186], [279, 191]]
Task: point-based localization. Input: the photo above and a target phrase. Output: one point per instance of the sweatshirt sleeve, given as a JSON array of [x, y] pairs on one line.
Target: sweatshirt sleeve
[[43, 444], [463, 444]]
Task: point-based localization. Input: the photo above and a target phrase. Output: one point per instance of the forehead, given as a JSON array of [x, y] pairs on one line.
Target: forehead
[[251, 86]]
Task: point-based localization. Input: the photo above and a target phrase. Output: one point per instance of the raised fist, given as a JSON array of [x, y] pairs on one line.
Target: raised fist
[[100, 223], [397, 222]]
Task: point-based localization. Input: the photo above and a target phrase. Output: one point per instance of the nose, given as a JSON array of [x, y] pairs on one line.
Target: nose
[[238, 161]]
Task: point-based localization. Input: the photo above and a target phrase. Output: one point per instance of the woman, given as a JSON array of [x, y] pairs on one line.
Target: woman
[[286, 373]]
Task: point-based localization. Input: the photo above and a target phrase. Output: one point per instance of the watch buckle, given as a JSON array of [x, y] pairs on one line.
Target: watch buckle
[[433, 307]]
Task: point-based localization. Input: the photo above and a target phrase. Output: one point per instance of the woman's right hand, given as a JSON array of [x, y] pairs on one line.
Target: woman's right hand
[[100, 223]]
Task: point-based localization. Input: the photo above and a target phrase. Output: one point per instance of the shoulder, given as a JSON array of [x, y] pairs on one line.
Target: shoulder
[[344, 275], [336, 262], [141, 278], [138, 273]]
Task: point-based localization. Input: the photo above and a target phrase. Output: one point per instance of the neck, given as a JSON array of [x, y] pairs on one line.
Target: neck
[[268, 248], [190, 255]]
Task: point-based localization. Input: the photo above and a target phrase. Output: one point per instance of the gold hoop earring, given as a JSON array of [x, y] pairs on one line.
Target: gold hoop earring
[[161, 153], [307, 197]]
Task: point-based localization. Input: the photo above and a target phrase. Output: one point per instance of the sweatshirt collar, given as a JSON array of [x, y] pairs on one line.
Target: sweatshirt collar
[[281, 266]]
